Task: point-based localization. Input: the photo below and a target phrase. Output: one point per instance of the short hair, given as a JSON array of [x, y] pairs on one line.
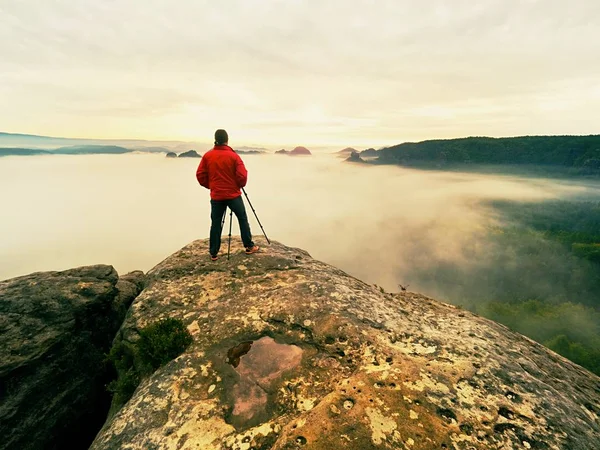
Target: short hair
[[221, 137]]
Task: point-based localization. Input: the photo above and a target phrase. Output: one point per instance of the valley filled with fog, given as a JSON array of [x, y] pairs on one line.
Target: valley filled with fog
[[524, 251], [383, 224]]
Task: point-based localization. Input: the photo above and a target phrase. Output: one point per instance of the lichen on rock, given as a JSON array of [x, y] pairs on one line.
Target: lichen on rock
[[289, 352]]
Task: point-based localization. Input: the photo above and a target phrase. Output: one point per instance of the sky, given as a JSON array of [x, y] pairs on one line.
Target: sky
[[281, 73]]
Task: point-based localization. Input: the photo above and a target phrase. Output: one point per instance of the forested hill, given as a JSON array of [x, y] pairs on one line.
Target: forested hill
[[582, 152]]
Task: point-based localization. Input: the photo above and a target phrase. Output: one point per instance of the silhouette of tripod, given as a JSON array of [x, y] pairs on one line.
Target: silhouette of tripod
[[231, 219], [222, 224]]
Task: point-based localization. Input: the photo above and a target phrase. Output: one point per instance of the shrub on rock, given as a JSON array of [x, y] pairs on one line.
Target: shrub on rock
[[159, 343]]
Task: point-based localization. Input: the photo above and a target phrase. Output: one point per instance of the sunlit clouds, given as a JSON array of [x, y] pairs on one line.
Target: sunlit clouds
[[283, 73]]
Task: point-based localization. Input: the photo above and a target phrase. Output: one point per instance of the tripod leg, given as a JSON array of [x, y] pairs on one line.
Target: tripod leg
[[256, 215], [229, 242], [223, 219]]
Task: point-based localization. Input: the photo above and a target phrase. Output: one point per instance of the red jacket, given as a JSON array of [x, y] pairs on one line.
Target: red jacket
[[223, 172]]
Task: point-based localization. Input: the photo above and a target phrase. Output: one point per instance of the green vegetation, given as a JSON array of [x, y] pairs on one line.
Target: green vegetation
[[538, 272], [158, 344], [580, 154], [570, 329], [161, 342], [566, 316], [590, 252], [122, 357], [575, 225]]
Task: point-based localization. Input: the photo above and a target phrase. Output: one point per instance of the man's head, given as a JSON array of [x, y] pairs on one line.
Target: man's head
[[221, 137]]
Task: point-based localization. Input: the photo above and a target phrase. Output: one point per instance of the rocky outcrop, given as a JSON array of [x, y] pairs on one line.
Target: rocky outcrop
[[291, 353], [300, 151], [369, 153], [56, 328], [190, 154], [171, 155], [355, 157], [250, 152]]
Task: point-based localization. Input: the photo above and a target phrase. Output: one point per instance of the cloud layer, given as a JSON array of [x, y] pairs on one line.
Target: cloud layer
[[282, 73]]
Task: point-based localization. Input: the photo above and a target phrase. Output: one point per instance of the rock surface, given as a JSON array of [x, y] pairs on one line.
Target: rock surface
[[55, 328], [291, 353]]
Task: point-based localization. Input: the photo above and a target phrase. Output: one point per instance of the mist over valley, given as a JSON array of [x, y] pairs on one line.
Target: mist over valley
[[467, 238]]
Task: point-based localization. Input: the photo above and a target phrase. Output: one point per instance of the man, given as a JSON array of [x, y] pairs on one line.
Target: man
[[223, 172]]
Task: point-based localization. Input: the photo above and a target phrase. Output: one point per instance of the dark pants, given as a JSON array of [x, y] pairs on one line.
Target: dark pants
[[217, 210]]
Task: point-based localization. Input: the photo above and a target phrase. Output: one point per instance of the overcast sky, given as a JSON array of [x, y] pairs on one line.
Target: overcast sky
[[289, 72]]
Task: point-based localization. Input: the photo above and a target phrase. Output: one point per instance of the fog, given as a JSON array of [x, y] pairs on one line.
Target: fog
[[383, 224]]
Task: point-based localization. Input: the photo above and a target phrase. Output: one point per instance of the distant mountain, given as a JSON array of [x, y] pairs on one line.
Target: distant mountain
[[251, 150], [190, 154], [368, 153], [354, 157], [71, 150], [347, 151], [22, 151], [90, 150], [300, 151], [151, 149], [578, 152], [31, 141]]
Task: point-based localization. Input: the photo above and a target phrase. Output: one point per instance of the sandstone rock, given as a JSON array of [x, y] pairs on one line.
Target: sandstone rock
[[171, 155], [355, 157], [129, 287], [291, 353], [346, 152], [190, 154], [55, 328], [300, 151]]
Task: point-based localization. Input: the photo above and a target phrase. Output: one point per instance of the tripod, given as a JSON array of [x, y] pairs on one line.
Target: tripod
[[223, 223], [255, 215], [231, 219]]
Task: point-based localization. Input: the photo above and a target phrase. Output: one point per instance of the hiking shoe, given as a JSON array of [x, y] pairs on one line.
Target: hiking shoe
[[214, 257], [250, 250]]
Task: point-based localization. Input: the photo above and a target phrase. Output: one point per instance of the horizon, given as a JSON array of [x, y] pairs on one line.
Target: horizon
[[257, 146], [294, 72]]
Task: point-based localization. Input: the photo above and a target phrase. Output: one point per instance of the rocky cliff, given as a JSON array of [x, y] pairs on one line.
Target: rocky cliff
[[291, 353], [55, 329]]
